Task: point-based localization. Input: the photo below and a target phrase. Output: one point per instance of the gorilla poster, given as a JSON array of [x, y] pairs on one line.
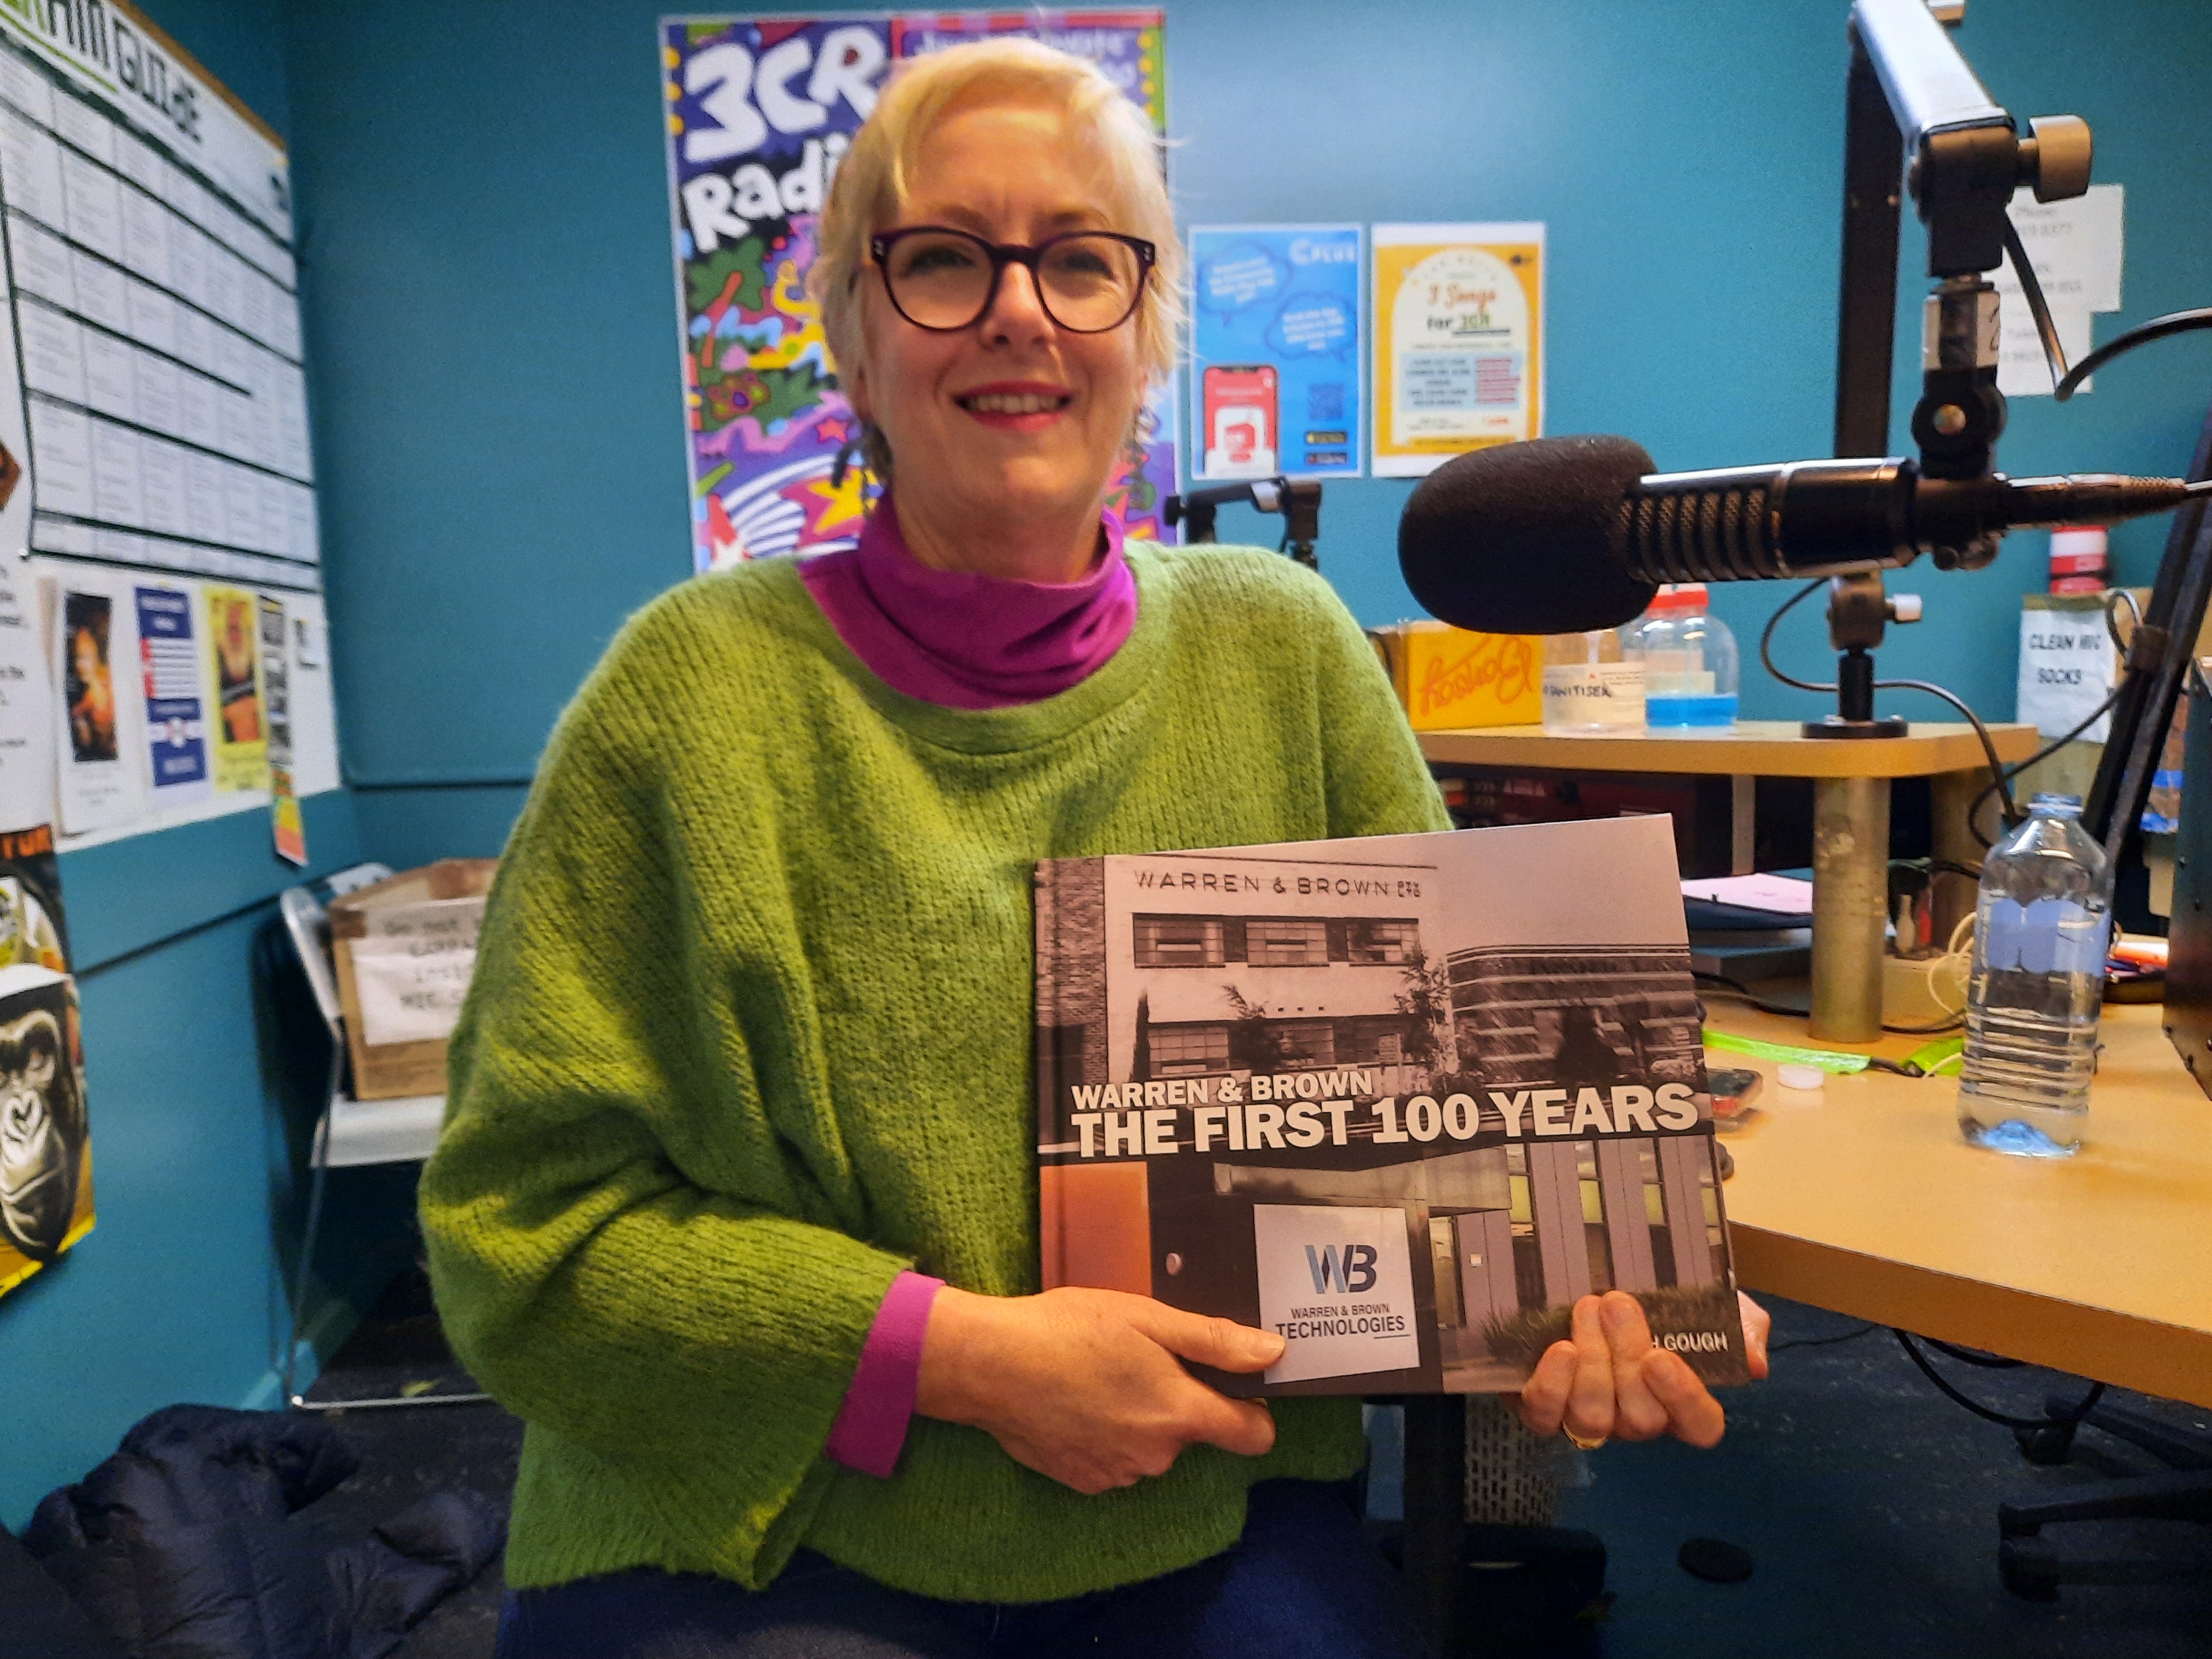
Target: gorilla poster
[[45, 1165]]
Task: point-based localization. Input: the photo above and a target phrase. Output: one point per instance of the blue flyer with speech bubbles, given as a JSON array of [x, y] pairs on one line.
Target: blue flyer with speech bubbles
[[1276, 351]]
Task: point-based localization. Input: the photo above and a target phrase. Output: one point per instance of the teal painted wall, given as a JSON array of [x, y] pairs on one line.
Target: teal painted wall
[[490, 328], [492, 317], [205, 1061]]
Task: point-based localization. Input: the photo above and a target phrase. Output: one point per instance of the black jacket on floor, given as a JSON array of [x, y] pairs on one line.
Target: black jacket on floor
[[181, 1545]]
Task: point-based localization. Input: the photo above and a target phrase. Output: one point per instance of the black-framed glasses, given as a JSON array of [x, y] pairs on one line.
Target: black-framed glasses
[[945, 280]]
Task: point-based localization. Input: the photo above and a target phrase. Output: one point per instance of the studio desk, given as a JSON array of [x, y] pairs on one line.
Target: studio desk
[[1851, 820], [1863, 1198]]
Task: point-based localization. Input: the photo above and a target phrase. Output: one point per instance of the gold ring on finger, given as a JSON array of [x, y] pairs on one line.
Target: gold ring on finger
[[1579, 1443]]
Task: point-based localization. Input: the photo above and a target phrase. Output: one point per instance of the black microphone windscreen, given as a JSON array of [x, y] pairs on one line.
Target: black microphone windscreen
[[1520, 538]]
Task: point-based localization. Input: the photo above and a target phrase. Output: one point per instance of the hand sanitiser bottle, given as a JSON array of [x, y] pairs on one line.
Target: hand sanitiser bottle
[[2040, 931], [1587, 685]]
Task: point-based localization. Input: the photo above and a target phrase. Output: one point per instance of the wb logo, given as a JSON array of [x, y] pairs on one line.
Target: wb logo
[[1345, 1267]]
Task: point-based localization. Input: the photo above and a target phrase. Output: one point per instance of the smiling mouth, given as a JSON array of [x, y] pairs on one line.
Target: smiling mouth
[[1014, 402]]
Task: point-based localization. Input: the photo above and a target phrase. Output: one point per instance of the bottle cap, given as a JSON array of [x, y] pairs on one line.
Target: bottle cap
[[1795, 1076], [1683, 596], [2078, 538]]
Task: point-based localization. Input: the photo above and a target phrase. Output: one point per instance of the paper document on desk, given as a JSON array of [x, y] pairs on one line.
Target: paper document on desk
[[1402, 1099], [1785, 895]]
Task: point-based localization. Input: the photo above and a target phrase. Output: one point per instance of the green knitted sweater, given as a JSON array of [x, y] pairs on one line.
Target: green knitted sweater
[[750, 1033]]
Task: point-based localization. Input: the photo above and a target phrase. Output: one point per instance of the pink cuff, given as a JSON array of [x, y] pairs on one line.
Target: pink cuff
[[870, 1425]]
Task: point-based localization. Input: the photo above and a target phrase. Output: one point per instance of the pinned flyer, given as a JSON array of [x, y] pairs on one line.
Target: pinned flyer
[[176, 710], [26, 702], [1276, 350], [1459, 362], [289, 829], [241, 736], [102, 784]]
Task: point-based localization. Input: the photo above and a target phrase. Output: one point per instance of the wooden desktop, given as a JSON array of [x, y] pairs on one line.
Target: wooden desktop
[[1864, 1199]]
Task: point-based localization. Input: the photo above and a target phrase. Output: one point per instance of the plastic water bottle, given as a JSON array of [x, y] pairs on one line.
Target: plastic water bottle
[[1591, 684], [1689, 661], [2040, 931]]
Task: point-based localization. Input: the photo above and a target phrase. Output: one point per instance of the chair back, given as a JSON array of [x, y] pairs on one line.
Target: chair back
[[307, 925]]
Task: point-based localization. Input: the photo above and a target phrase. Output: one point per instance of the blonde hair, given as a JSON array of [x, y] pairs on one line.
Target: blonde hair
[[872, 181]]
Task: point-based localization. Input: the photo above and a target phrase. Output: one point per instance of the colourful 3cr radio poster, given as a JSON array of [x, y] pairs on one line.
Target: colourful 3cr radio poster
[[1276, 351], [1459, 362], [760, 111]]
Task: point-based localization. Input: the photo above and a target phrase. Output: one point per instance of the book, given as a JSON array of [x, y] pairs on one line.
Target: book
[[1402, 1099]]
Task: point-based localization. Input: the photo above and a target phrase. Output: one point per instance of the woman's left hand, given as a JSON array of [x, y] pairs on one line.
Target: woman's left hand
[[1611, 1382]]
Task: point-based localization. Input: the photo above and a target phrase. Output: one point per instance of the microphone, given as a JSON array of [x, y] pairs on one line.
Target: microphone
[[1563, 535]]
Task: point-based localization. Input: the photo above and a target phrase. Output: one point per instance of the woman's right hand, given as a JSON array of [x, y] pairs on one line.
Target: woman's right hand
[[1085, 1386]]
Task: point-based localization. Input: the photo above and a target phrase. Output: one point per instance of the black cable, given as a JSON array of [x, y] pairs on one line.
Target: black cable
[[1874, 1062], [2012, 816], [1766, 640], [1989, 744], [2111, 628], [1822, 1341], [2003, 782], [2054, 354], [2174, 322], [2089, 1402], [1988, 1362], [1737, 987]]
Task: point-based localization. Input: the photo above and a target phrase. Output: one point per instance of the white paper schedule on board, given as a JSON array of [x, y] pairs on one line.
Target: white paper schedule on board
[[157, 407], [155, 294]]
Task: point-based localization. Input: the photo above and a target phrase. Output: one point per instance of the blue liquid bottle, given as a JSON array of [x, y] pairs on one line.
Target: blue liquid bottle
[[1689, 660]]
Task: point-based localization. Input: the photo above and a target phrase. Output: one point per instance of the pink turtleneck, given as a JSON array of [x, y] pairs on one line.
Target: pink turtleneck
[[965, 640], [962, 641]]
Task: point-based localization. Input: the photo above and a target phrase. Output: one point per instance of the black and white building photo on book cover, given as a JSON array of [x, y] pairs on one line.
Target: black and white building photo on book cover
[[1402, 1099]]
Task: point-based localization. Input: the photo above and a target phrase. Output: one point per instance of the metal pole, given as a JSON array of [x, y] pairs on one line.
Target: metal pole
[[1436, 1513], [1851, 884]]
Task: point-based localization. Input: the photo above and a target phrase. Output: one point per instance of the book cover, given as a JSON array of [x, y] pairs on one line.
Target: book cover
[[1402, 1099]]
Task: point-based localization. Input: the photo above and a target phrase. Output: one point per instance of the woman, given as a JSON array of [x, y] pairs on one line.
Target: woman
[[735, 1203]]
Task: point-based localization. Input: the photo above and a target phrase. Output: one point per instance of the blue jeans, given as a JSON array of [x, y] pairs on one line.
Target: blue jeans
[[1301, 1582]]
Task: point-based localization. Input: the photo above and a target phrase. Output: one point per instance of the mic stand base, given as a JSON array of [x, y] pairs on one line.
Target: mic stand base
[[1835, 726], [1858, 611]]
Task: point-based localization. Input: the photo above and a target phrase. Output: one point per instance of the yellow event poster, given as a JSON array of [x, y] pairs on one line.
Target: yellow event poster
[[240, 728], [1459, 359]]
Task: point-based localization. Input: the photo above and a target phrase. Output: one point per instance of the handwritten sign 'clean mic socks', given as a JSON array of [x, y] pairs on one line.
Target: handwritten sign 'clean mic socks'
[[411, 969]]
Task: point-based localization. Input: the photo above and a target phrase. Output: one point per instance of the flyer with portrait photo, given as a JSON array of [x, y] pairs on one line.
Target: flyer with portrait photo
[[101, 781], [1401, 1099], [240, 726]]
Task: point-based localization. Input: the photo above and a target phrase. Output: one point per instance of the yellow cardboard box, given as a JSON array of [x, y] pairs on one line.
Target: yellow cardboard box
[[1447, 678]]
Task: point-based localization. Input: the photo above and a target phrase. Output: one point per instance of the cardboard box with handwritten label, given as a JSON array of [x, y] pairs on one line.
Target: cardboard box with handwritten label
[[404, 950], [1448, 678]]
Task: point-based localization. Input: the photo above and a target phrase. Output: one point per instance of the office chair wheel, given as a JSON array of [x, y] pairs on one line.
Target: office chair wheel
[[2047, 1442], [2029, 1567]]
